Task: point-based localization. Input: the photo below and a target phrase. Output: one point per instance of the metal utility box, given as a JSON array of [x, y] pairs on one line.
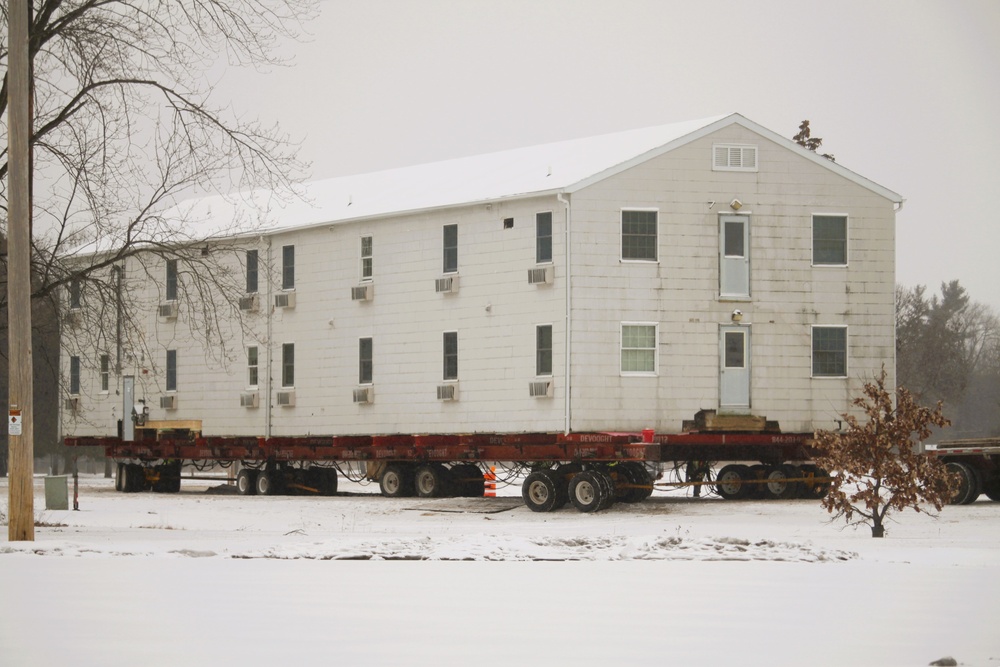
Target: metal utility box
[[57, 492]]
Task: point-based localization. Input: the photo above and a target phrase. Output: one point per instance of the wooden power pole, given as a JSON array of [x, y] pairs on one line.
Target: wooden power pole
[[20, 428]]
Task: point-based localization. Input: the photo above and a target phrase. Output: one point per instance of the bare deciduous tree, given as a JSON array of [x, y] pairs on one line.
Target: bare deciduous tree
[[876, 466]]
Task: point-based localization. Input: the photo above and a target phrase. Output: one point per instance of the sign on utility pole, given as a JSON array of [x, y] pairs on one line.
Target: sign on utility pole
[[20, 428]]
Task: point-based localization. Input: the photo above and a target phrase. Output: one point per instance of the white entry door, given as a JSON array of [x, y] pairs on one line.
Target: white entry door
[[734, 256], [734, 378]]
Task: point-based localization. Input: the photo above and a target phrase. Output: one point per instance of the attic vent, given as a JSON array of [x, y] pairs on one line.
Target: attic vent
[[734, 157]]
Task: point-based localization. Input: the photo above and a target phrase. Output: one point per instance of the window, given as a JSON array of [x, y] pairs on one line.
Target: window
[[171, 280], [450, 355], [365, 361], [105, 373], [288, 267], [74, 293], [366, 258], [288, 365], [638, 349], [543, 237], [253, 367], [736, 352], [639, 235], [171, 370], [829, 351], [734, 239], [830, 240], [543, 349], [734, 157], [450, 248], [74, 375], [251, 271]]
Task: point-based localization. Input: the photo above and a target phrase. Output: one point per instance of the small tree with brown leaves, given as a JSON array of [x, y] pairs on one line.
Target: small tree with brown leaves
[[876, 466]]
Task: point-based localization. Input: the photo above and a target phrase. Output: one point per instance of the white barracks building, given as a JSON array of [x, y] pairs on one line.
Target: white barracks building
[[615, 283]]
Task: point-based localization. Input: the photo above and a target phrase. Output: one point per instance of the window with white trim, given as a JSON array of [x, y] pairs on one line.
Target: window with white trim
[[829, 351], [288, 365], [288, 267], [366, 258], [252, 269], [365, 363], [171, 370], [253, 367], [450, 249], [74, 376], [829, 240], [639, 235], [543, 237], [543, 350], [734, 157], [75, 291], [450, 342], [171, 280], [105, 373], [638, 348]]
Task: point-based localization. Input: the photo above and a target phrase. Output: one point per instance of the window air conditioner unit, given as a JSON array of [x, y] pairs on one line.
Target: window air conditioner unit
[[446, 285], [168, 402], [541, 389], [447, 392], [168, 311], [72, 404], [364, 395], [249, 399], [286, 399], [284, 300], [540, 276], [363, 292], [250, 303], [73, 318]]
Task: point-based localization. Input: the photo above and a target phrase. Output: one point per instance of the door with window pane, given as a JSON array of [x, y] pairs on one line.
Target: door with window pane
[[734, 256], [734, 376]]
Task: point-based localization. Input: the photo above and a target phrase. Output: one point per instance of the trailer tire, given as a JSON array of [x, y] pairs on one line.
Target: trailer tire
[[328, 487], [991, 487], [969, 483], [540, 491], [246, 482], [731, 482], [603, 476], [431, 481], [813, 490], [396, 481], [639, 484], [264, 483], [119, 477], [778, 487], [756, 490], [587, 491]]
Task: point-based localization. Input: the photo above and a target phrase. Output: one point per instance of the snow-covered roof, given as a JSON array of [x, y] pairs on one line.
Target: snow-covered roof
[[563, 166]]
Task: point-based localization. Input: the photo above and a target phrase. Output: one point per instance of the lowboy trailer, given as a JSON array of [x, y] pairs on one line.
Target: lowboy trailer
[[589, 470], [976, 462]]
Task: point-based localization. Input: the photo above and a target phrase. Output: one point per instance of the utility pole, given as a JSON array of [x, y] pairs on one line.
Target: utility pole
[[20, 422]]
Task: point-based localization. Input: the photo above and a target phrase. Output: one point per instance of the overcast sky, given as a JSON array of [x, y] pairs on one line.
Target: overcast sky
[[904, 92]]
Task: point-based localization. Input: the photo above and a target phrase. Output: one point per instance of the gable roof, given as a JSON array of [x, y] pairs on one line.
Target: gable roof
[[565, 166]]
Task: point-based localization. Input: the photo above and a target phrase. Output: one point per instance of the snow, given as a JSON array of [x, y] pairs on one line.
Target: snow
[[200, 578]]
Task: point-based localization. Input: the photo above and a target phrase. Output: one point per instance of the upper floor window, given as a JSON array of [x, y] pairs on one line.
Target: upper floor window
[[366, 258], [543, 237], [288, 365], [105, 373], [171, 370], [171, 282], [253, 367], [734, 157], [365, 352], [829, 351], [450, 355], [639, 232], [288, 267], [543, 349], [638, 349], [450, 238], [75, 289], [74, 375], [252, 268], [830, 240]]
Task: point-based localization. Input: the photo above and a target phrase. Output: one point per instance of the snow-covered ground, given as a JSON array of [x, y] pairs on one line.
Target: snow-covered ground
[[201, 578]]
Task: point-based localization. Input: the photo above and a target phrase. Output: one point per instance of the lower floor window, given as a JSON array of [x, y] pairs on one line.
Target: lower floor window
[[288, 365], [829, 351], [74, 375], [171, 370], [638, 349]]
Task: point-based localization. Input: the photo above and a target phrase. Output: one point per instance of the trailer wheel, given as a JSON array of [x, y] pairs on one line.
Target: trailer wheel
[[991, 487], [540, 492], [119, 477], [396, 481], [604, 478], [264, 483], [586, 491], [246, 482], [467, 480], [639, 484], [328, 487], [969, 484], [755, 488], [778, 487], [811, 489], [431, 481], [731, 484]]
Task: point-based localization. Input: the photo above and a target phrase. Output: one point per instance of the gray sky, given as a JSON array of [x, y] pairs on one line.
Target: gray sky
[[905, 92]]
